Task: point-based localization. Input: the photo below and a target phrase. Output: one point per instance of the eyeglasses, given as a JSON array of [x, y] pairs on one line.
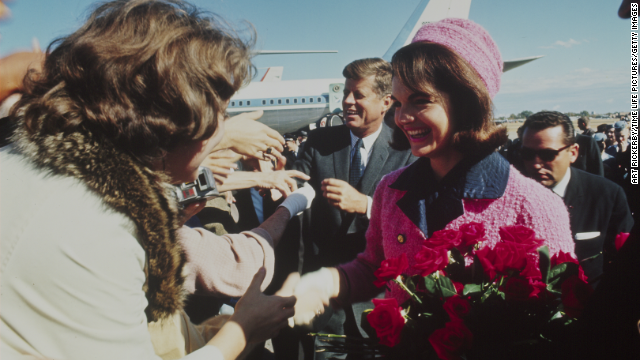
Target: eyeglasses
[[528, 154]]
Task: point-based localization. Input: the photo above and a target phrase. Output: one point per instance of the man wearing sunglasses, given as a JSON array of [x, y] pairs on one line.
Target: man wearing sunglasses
[[598, 207]]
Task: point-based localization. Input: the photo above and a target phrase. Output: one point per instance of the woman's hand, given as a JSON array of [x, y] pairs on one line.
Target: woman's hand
[[220, 162], [260, 316], [246, 136], [281, 180]]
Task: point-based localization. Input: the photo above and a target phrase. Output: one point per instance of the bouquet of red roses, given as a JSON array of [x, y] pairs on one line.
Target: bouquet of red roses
[[511, 301]]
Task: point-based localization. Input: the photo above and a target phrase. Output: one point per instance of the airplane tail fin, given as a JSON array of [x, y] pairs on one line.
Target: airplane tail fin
[[273, 73], [427, 11]]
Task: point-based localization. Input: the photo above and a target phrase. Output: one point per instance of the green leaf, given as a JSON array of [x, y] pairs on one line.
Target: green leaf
[[446, 287], [560, 273], [471, 289], [545, 262], [430, 284], [364, 323]]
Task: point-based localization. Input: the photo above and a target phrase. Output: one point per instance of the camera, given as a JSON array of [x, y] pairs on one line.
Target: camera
[[204, 187]]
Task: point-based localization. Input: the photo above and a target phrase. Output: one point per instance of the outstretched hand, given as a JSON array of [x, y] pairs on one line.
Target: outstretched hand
[[260, 316], [246, 136]]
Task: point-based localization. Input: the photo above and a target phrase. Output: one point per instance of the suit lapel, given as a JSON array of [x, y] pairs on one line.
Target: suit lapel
[[376, 162], [573, 192], [341, 157]]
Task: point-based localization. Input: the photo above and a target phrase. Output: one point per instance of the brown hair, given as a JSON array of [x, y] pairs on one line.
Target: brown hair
[[144, 75], [550, 119], [434, 64], [363, 68]]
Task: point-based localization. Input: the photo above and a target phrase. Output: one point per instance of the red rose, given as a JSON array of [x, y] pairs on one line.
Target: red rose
[[457, 307], [446, 239], [486, 256], [562, 257], [387, 320], [431, 260], [390, 269], [503, 257], [621, 239], [575, 294], [531, 270], [517, 289], [458, 285], [522, 236], [451, 341], [472, 233]]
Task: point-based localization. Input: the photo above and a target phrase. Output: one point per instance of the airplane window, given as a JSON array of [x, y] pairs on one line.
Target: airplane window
[[310, 100], [319, 99], [264, 102], [286, 101], [239, 103], [233, 103], [279, 101], [295, 101], [303, 99], [271, 102], [248, 103]]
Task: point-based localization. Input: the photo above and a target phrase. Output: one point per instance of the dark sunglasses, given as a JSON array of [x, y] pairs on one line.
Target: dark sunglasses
[[528, 154]]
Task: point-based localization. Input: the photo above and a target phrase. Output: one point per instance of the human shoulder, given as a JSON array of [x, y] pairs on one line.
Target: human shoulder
[[592, 183], [527, 190]]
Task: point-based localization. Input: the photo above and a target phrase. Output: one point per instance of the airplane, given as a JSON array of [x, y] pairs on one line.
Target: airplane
[[293, 105]]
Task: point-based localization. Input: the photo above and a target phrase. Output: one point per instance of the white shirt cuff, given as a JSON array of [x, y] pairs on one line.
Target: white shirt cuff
[[207, 352], [369, 203]]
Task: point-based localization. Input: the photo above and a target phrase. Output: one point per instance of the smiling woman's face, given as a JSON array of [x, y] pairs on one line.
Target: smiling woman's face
[[425, 118]]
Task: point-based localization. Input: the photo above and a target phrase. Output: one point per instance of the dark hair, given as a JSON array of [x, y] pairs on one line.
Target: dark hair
[[602, 128], [585, 120], [363, 68], [144, 75], [425, 63], [549, 119]]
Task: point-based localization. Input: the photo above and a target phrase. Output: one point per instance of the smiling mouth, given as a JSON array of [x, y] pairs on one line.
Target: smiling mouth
[[351, 113], [418, 134]]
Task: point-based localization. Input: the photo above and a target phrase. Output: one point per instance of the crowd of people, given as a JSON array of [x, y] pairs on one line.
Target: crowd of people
[[99, 260]]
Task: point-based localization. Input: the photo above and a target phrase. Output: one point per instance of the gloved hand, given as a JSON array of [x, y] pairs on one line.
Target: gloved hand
[[299, 200]]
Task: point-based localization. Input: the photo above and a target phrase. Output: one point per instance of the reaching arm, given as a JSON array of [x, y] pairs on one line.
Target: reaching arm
[[281, 180]]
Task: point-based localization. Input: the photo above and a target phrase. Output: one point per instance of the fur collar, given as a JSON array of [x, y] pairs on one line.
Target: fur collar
[[130, 188]]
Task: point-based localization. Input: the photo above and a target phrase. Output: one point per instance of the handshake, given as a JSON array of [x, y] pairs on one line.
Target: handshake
[[313, 291]]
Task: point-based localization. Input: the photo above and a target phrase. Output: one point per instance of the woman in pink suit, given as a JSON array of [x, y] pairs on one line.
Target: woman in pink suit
[[443, 84]]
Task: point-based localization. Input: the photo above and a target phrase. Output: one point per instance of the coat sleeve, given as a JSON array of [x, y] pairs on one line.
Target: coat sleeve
[[225, 264], [357, 276]]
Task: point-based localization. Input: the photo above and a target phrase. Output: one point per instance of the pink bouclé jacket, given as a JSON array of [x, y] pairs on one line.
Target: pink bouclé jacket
[[409, 205]]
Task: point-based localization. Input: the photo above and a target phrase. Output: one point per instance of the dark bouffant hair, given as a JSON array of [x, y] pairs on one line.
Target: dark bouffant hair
[[425, 63], [363, 68], [548, 119], [144, 75]]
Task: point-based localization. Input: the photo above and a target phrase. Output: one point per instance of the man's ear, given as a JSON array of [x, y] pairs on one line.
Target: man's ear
[[386, 103], [574, 150]]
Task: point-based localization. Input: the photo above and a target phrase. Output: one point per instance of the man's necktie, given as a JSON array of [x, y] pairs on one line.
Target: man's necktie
[[355, 172]]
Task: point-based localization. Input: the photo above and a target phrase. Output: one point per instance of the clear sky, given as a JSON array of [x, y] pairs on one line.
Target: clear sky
[[586, 46]]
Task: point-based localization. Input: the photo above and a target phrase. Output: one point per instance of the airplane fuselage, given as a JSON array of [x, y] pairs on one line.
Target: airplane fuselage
[[288, 105]]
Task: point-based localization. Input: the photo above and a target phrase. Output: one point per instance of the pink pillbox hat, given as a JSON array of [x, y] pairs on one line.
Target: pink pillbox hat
[[472, 43]]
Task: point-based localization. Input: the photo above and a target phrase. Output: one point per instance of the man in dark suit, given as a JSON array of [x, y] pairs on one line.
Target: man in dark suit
[[345, 164], [589, 155], [597, 207]]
